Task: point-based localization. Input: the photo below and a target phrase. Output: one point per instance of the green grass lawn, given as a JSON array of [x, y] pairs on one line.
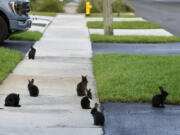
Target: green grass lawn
[[8, 61], [133, 39], [124, 25], [29, 35], [136, 78], [114, 15], [43, 13]]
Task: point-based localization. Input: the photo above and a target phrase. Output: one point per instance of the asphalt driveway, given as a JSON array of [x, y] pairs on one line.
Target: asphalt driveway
[[141, 119], [22, 46], [121, 48]]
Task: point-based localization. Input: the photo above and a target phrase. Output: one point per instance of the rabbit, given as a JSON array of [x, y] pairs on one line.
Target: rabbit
[[85, 101], [32, 53], [158, 100], [33, 89], [12, 100], [98, 116], [82, 86]]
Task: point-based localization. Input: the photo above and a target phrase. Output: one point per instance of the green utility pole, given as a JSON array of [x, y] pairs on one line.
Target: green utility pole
[[107, 9]]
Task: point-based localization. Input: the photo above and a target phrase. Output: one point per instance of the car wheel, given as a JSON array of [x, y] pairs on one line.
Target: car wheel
[[3, 29]]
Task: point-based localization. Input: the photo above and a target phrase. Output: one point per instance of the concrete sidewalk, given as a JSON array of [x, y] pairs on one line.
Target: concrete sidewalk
[[63, 55], [142, 32], [116, 19], [71, 7], [40, 23]]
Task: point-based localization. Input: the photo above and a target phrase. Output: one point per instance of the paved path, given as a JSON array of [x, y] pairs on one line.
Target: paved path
[[72, 7], [63, 55], [116, 19], [45, 18], [143, 32], [40, 23], [121, 48]]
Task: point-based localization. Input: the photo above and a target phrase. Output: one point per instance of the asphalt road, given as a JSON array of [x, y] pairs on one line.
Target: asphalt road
[[163, 12], [141, 119], [22, 46], [154, 49]]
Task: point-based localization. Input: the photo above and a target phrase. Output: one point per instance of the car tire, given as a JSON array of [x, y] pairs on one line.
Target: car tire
[[3, 29]]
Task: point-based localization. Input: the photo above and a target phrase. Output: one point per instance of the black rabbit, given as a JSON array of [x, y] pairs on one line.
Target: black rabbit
[[12, 100], [33, 89], [85, 101], [98, 116], [158, 100], [82, 86], [32, 53]]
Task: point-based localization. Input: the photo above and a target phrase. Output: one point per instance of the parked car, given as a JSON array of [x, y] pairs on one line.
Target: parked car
[[14, 17]]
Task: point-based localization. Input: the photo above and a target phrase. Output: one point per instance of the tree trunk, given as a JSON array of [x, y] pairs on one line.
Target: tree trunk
[[107, 9]]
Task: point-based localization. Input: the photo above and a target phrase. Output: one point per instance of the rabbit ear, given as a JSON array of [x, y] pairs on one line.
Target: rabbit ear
[[32, 80], [96, 105], [161, 89]]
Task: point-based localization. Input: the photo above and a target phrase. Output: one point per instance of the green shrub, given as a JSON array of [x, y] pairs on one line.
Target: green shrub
[[33, 4], [82, 6], [117, 6], [47, 5], [97, 6]]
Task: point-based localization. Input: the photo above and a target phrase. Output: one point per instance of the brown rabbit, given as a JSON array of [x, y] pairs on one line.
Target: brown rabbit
[[98, 116], [85, 101], [33, 89], [82, 86], [31, 54], [12, 100], [158, 100]]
